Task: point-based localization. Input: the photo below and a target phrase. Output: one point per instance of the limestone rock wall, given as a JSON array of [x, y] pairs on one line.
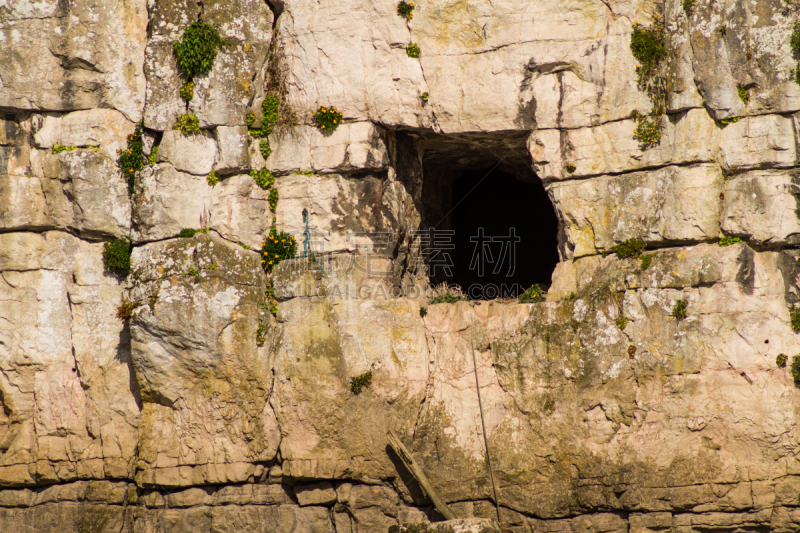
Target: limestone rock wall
[[205, 411]]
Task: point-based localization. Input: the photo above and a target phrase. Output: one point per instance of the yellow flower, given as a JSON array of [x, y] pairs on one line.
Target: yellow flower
[[276, 256], [264, 261], [270, 262], [323, 126]]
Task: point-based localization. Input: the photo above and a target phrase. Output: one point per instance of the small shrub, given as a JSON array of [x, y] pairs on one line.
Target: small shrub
[[725, 121], [425, 96], [647, 46], [447, 294], [622, 322], [277, 247], [187, 124], [794, 314], [688, 7], [273, 200], [646, 260], [264, 148], [361, 382], [132, 160], [631, 351], [187, 233], [263, 178], [406, 9], [534, 294], [570, 168], [795, 370], [327, 119], [187, 91], [153, 157], [125, 311], [744, 94], [250, 119], [728, 240], [413, 50], [192, 271], [117, 256], [213, 178], [57, 148], [648, 130], [629, 248], [795, 39], [780, 361], [196, 49], [679, 310], [260, 339], [270, 111], [423, 312]]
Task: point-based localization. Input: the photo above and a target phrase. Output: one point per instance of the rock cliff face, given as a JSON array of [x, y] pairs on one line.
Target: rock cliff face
[[221, 400]]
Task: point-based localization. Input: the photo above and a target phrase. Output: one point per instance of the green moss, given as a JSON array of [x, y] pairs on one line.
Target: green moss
[[679, 309], [57, 148], [213, 178], [327, 119], [744, 94], [534, 294], [780, 360], [448, 298], [646, 260], [187, 91], [406, 9], [260, 339], [795, 370], [189, 232], [277, 247], [117, 256], [728, 240], [725, 121], [413, 50], [197, 49], [361, 382], [187, 124], [131, 160], [250, 119], [264, 148], [622, 322], [629, 248], [263, 178], [794, 315]]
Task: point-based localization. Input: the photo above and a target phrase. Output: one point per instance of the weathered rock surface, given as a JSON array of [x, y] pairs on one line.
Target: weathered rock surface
[[198, 393]]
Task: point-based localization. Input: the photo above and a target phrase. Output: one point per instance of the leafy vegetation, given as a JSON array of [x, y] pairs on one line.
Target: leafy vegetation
[[647, 46], [413, 50], [327, 119], [406, 9], [125, 311], [423, 311], [622, 322], [187, 124], [153, 157], [570, 167], [260, 339], [725, 121], [794, 41], [728, 240], [57, 148], [744, 94], [361, 382], [648, 130], [187, 91], [117, 256], [679, 309], [688, 7], [189, 232], [250, 119], [213, 178], [534, 294], [646, 260], [270, 111], [425, 96], [273, 200], [132, 160], [277, 247], [192, 271], [794, 315], [629, 248], [264, 148], [448, 294], [197, 49], [263, 178], [631, 351], [795, 370], [780, 361]]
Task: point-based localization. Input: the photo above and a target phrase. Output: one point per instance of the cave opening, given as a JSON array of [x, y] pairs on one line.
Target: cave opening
[[493, 230]]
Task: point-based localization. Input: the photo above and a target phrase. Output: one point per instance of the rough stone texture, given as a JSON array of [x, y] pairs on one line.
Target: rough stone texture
[[224, 402]]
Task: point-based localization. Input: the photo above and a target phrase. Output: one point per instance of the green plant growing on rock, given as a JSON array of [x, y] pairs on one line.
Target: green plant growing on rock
[[57, 148], [189, 232], [570, 168], [132, 160], [213, 178], [447, 294], [153, 157], [794, 315], [126, 309], [243, 245], [250, 119], [361, 382], [264, 148], [273, 200], [744, 94], [187, 124], [688, 7], [260, 339], [425, 96], [534, 294], [648, 47], [727, 240], [406, 9], [679, 309], [629, 248], [327, 119], [197, 49], [117, 256], [725, 121], [794, 369], [187, 91], [622, 322], [413, 50], [192, 271], [263, 178], [423, 311], [647, 259], [270, 111], [277, 247], [780, 361]]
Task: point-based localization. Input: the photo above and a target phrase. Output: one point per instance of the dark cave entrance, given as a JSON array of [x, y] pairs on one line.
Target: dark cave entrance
[[495, 231]]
